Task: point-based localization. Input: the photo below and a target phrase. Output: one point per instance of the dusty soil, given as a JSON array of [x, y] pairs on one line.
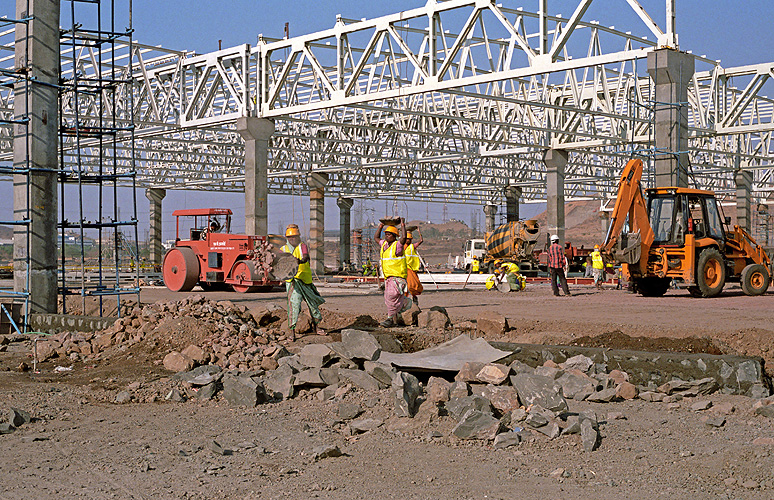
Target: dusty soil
[[82, 445]]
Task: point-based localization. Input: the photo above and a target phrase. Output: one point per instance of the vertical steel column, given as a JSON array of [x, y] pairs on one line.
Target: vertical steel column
[[34, 247], [316, 241], [555, 160], [256, 133], [155, 196]]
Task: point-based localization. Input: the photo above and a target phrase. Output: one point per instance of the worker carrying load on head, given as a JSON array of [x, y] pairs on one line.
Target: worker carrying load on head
[[598, 266], [413, 265], [300, 287], [391, 249]]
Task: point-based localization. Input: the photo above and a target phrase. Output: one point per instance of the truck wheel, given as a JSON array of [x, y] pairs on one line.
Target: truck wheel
[[710, 273], [244, 271], [180, 269], [653, 287], [755, 279]]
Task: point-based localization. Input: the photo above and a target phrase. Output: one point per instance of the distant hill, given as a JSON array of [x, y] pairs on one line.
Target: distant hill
[[583, 225], [6, 232]]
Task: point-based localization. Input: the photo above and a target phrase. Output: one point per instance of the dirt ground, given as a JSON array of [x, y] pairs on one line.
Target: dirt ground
[[82, 445]]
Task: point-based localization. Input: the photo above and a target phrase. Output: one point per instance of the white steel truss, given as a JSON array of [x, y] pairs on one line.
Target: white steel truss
[[451, 101]]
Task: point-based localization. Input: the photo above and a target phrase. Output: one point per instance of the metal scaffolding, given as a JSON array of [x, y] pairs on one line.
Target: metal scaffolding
[[95, 123]]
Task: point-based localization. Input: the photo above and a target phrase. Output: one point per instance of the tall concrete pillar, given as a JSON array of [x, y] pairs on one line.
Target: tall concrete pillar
[[316, 243], [345, 206], [671, 71], [512, 195], [555, 161], [156, 250], [604, 218], [744, 181], [256, 133], [35, 147], [490, 211]]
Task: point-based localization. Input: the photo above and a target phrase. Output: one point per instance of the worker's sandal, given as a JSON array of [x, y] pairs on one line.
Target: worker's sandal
[[388, 323]]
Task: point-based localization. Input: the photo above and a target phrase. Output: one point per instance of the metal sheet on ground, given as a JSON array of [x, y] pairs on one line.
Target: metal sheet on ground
[[449, 356]]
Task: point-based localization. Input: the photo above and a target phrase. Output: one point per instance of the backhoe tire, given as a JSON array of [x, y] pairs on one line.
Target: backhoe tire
[[755, 279], [710, 273], [653, 287]]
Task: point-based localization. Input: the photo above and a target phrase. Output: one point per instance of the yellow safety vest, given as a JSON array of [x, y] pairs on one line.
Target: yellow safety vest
[[475, 266], [490, 282], [304, 269], [513, 268], [596, 260], [412, 258], [392, 264]]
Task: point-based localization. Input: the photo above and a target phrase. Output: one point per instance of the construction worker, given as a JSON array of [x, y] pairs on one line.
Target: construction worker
[[412, 266], [300, 287], [395, 271], [556, 264], [475, 266], [598, 266]]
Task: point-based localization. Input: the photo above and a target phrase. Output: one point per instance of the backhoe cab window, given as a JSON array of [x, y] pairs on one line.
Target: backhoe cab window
[[713, 220], [662, 218]]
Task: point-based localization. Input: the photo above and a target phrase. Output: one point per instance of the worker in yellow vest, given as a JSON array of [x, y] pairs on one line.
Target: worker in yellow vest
[[598, 266], [300, 287], [475, 266], [412, 266], [394, 268]]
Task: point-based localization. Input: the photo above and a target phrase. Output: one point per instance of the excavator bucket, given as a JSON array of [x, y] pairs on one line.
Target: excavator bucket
[[628, 248]]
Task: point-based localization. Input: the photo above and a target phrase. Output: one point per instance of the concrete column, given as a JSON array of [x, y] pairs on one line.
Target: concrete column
[[316, 243], [35, 147], [156, 250], [604, 218], [256, 133], [555, 161], [345, 206], [672, 71], [490, 211], [512, 195], [744, 180]]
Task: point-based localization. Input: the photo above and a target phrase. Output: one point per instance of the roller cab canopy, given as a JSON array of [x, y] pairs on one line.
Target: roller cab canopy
[[194, 212]]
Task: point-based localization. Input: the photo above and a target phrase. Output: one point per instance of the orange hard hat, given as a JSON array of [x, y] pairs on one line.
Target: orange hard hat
[[391, 229], [596, 247], [408, 234], [292, 230]]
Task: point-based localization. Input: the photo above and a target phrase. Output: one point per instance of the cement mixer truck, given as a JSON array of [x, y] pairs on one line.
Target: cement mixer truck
[[509, 242]]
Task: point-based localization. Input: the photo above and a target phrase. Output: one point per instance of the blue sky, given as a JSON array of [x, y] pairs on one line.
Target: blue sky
[[738, 33]]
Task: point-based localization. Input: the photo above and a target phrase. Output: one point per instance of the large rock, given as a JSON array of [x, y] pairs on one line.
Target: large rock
[[674, 385], [195, 353], [589, 435], [458, 407], [407, 390], [17, 417], [603, 396], [503, 398], [360, 345], [459, 389], [539, 390], [178, 362], [279, 383], [579, 362], [476, 424], [626, 390], [469, 372], [438, 390], [410, 316], [382, 372], [310, 378], [506, 440], [45, 350], [243, 391], [576, 384], [364, 425], [491, 324], [493, 373], [315, 355], [434, 318], [359, 379]]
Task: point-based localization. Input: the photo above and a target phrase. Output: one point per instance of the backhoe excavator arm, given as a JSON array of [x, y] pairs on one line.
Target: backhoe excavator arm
[[631, 202]]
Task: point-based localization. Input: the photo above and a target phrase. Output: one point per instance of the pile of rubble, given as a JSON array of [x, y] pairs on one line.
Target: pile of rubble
[[491, 402]]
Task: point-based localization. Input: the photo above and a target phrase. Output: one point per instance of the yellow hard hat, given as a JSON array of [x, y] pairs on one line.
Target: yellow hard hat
[[391, 229], [408, 234], [292, 230]]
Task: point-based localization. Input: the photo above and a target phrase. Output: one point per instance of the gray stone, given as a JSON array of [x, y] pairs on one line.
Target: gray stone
[[758, 391], [216, 448], [348, 411], [17, 417], [493, 373], [204, 379], [326, 451], [551, 430], [438, 390], [360, 345], [747, 374], [651, 396], [701, 405], [458, 407], [315, 355], [206, 372], [207, 392], [407, 390], [459, 389], [535, 420], [476, 424], [506, 440], [280, 352], [310, 378], [674, 385], [519, 367], [434, 318], [575, 382], [715, 421], [579, 362], [279, 383], [765, 411], [364, 425], [549, 371], [705, 386], [243, 391], [469, 372], [6, 428], [359, 379], [293, 362], [503, 398], [175, 396], [603, 396], [123, 397], [572, 425], [589, 435], [327, 393], [382, 372], [329, 375], [539, 390], [492, 324]]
